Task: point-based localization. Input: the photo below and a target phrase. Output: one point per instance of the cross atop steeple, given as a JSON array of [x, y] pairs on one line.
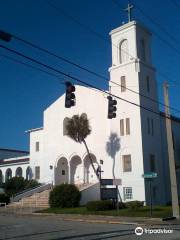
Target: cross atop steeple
[[128, 10]]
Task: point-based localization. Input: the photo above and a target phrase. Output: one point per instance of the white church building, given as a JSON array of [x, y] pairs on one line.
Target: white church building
[[126, 147]]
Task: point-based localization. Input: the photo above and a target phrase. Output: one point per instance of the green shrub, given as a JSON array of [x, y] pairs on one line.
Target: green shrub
[[65, 196], [4, 198], [101, 205], [134, 204], [31, 184], [18, 184], [122, 205]]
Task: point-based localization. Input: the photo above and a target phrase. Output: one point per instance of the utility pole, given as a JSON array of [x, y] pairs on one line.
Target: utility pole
[[172, 169]]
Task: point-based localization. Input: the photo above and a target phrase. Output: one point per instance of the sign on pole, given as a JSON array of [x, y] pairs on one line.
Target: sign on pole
[[150, 175]]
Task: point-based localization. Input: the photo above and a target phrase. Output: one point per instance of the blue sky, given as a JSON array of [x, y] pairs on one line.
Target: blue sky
[[25, 93]]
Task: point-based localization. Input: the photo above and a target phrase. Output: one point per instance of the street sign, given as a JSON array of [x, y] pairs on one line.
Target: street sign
[[117, 182], [150, 175]]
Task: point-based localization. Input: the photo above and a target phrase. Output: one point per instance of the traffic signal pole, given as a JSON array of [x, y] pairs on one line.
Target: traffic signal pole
[[172, 169]]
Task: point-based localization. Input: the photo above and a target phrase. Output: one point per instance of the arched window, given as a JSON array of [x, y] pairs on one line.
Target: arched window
[[123, 51], [19, 172], [8, 174], [1, 177], [28, 173], [65, 121], [143, 50]]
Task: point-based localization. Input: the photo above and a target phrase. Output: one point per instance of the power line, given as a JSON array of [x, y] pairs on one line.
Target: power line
[[158, 36], [87, 28], [155, 22], [77, 79], [155, 33], [162, 29], [30, 66], [87, 70]]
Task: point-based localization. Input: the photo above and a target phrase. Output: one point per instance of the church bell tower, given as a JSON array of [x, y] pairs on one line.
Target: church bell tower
[[132, 79]]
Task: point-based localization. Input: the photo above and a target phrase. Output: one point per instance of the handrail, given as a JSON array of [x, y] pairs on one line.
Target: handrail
[[30, 192], [26, 190]]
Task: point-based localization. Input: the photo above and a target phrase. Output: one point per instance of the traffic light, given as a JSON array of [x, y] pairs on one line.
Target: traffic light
[[111, 107], [70, 96], [5, 36]]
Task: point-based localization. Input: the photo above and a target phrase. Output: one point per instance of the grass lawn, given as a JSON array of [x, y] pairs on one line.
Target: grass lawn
[[158, 211]]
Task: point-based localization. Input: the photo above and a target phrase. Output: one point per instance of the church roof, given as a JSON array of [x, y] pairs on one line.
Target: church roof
[[34, 130], [7, 162]]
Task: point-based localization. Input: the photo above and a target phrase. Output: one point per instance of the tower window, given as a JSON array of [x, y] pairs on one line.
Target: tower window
[[122, 127], [127, 126], [127, 163], [37, 146], [123, 51], [65, 121], [147, 84], [123, 83], [152, 127]]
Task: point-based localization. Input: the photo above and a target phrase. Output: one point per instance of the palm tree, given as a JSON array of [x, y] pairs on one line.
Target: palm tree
[[78, 129]]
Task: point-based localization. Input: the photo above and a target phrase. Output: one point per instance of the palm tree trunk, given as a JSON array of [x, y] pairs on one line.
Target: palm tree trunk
[[113, 170], [90, 158]]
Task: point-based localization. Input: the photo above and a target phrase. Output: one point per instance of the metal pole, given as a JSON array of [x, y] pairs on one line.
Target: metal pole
[[150, 189], [117, 203], [172, 170], [100, 182]]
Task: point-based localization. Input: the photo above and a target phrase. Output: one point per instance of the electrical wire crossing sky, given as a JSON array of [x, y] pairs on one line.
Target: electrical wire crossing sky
[[78, 32]]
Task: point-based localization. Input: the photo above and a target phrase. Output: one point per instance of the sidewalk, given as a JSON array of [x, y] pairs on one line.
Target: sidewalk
[[111, 219]]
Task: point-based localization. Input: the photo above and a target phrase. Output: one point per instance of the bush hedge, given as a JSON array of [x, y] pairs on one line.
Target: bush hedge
[[4, 198], [134, 204], [18, 184], [122, 205], [101, 205], [65, 196]]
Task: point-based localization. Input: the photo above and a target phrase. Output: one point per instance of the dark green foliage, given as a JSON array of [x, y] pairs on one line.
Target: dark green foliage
[[134, 204], [4, 198], [78, 127], [122, 205], [65, 196], [101, 205], [31, 184], [18, 184]]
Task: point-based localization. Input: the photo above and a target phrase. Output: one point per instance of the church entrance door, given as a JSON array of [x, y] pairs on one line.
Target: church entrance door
[[62, 171]]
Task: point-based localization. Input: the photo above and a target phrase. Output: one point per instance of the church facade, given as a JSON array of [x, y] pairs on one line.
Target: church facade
[[125, 147]]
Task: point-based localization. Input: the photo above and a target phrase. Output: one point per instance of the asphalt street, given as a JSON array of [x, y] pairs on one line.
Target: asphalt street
[[18, 227]]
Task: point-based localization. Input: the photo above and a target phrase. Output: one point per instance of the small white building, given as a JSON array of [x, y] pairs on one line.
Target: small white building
[[127, 146], [14, 163]]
